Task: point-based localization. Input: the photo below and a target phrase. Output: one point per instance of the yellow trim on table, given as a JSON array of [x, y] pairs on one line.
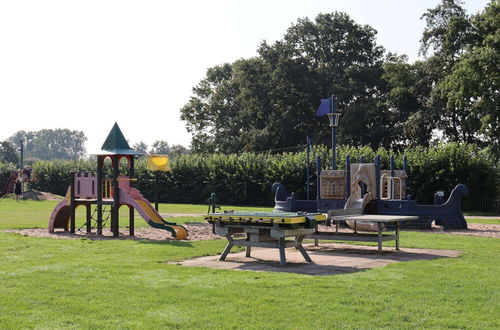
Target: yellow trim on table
[[285, 220]]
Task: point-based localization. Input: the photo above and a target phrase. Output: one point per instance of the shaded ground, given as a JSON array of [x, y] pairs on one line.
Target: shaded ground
[[197, 232], [328, 259], [475, 229], [176, 215]]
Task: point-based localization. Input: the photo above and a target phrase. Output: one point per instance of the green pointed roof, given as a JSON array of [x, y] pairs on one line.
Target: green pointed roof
[[116, 144]]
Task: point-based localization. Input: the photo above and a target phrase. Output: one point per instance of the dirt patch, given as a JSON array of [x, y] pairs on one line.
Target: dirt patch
[[328, 259], [203, 231], [36, 195], [197, 232], [475, 229]]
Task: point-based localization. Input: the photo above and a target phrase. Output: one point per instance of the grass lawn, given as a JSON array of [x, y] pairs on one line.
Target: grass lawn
[[49, 283], [36, 214]]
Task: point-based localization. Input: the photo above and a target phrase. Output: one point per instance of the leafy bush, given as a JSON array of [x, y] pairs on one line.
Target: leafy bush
[[246, 178]]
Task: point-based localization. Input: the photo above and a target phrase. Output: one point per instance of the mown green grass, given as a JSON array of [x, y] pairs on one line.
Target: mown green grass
[[36, 214], [49, 283]]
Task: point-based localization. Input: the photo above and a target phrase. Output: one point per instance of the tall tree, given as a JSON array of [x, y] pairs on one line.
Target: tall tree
[[448, 33], [473, 84], [52, 143], [465, 65], [407, 89], [140, 147], [8, 153], [269, 101], [160, 147], [177, 150]]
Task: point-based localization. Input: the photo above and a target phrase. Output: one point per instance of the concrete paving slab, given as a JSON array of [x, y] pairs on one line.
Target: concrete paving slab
[[328, 259]]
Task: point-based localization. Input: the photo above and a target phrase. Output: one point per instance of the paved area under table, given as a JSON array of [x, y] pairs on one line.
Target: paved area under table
[[328, 259]]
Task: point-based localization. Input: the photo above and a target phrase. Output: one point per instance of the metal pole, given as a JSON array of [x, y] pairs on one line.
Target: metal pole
[[334, 132], [21, 165], [377, 176], [318, 173], [334, 146], [157, 180], [347, 176], [405, 168], [392, 165], [308, 171], [363, 185]]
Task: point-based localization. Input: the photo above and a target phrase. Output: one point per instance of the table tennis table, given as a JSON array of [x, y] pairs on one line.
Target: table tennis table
[[379, 219]]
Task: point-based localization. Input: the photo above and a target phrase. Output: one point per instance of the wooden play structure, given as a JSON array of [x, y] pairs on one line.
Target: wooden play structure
[[88, 189]]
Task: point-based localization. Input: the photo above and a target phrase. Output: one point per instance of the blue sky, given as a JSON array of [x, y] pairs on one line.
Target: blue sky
[[85, 64]]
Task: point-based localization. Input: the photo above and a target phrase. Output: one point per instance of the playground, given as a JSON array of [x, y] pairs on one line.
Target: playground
[[74, 262]]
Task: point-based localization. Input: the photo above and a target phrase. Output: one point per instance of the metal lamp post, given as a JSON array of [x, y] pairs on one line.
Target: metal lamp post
[[333, 117], [21, 160]]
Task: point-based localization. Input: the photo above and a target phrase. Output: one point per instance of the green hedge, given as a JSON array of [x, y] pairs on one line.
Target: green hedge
[[246, 179]]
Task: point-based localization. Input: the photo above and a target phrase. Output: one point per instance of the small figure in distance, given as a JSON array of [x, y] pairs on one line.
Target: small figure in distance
[[18, 189]]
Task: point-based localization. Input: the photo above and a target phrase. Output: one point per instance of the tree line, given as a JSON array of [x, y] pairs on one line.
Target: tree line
[[48, 144], [268, 101], [246, 178]]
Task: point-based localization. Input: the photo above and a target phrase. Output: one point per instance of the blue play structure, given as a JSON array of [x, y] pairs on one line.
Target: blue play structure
[[375, 191], [367, 187]]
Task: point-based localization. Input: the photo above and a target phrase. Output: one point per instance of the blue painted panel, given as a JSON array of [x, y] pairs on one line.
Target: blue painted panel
[[330, 204]]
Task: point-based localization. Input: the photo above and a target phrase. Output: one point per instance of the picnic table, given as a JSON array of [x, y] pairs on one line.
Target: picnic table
[[265, 229], [380, 221]]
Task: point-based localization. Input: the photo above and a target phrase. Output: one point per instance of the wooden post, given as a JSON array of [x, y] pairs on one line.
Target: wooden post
[[89, 220], [115, 210], [157, 183], [100, 164], [131, 221], [72, 205], [131, 173]]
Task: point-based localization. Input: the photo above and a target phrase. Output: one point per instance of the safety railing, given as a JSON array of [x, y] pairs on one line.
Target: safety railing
[[390, 187]]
